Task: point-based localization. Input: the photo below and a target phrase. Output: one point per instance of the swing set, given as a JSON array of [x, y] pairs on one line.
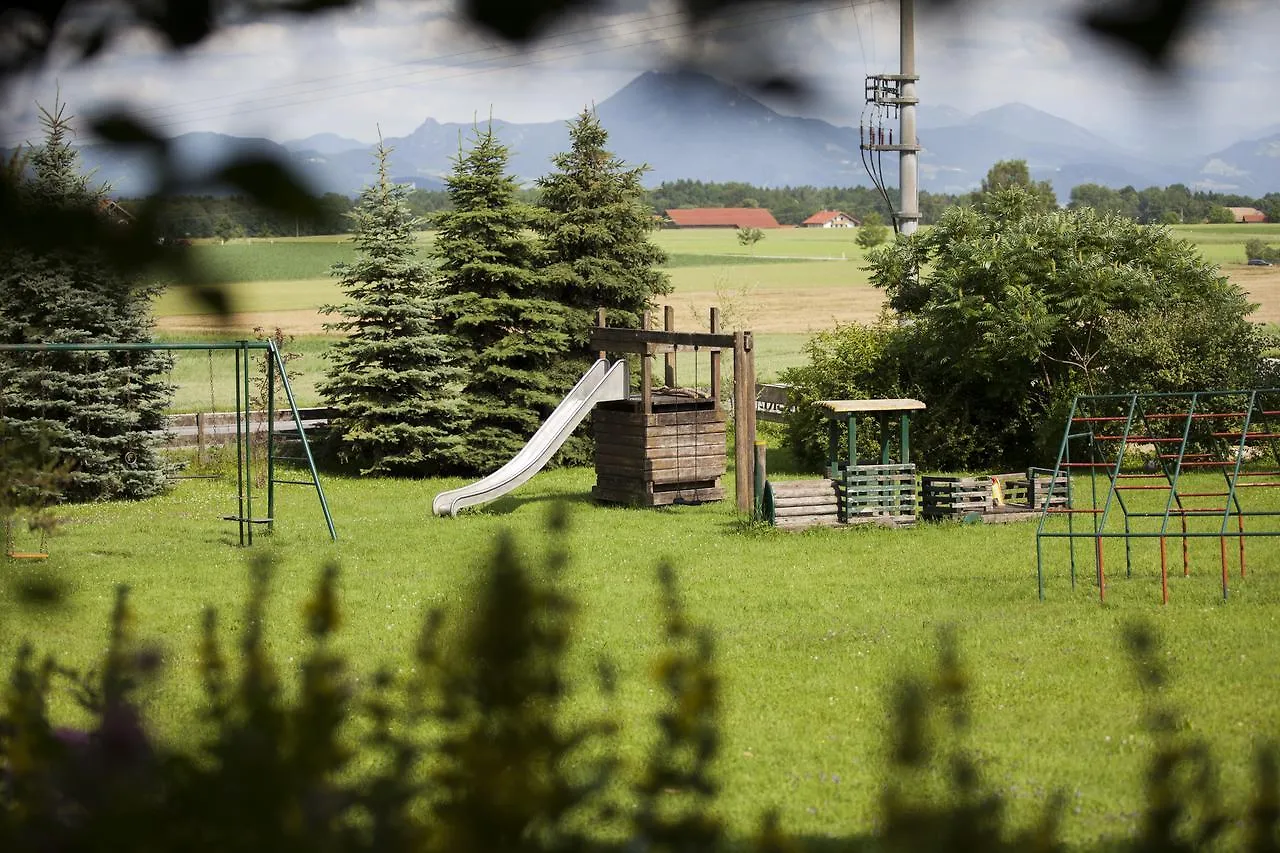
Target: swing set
[[244, 351]]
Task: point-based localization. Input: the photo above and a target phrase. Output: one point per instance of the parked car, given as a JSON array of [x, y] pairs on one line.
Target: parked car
[[1259, 262]]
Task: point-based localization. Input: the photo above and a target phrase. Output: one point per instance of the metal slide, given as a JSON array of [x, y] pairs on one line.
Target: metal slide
[[601, 382]]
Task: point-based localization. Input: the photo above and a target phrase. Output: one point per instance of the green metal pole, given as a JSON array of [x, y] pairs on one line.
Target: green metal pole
[[248, 443], [239, 458], [271, 438], [302, 436]]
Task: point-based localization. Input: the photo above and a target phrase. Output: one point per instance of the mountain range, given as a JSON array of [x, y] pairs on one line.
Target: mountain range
[[689, 125]]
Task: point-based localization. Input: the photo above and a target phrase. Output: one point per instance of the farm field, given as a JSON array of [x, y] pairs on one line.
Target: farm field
[[811, 631], [794, 282]]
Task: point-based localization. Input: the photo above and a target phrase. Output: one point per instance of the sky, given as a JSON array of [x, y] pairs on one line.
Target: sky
[[390, 64]]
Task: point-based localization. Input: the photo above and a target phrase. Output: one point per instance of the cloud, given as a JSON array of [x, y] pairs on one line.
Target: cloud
[[395, 62]]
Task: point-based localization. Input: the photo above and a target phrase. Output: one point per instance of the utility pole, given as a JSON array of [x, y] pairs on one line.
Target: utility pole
[[889, 96], [909, 157]]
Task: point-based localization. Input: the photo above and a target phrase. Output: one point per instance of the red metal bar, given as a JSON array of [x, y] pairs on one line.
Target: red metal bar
[[1182, 455], [1138, 439], [1143, 488], [1240, 435], [1202, 494], [1139, 476], [1160, 416], [1256, 485], [1260, 473], [1075, 511], [1098, 420], [1088, 465]]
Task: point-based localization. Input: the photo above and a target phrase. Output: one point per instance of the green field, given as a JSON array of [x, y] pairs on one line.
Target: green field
[[792, 283], [811, 631]]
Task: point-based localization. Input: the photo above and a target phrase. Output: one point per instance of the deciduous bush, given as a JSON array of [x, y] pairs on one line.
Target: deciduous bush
[[1008, 312]]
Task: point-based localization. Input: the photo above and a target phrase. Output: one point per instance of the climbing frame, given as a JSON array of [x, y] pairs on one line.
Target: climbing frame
[[1186, 466]]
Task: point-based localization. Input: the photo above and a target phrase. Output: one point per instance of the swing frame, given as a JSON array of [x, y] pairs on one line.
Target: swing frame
[[244, 516]]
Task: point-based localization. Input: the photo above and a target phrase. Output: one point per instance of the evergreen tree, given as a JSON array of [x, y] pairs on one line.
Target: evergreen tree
[[394, 378], [94, 412], [496, 299], [595, 225]]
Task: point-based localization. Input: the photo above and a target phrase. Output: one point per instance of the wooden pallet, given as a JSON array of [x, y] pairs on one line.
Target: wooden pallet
[[884, 494]]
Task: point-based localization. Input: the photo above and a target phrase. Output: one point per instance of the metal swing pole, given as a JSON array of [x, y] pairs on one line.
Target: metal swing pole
[[239, 457], [302, 437]]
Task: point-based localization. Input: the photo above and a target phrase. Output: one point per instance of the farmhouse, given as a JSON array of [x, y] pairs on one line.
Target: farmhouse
[[830, 219], [723, 217], [1247, 214]]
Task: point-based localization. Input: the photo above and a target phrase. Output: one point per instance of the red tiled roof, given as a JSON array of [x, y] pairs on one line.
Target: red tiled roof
[[723, 217], [1247, 214], [822, 217]]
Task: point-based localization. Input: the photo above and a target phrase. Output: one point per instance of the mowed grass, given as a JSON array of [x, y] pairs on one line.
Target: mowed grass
[[811, 632]]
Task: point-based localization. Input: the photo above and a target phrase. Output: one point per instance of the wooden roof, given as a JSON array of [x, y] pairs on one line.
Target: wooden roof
[[840, 407]]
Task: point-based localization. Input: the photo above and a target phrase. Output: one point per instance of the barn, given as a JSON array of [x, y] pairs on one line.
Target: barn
[[722, 217]]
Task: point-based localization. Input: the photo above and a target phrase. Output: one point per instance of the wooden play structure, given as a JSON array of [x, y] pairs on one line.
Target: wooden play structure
[[667, 445], [853, 492], [1188, 466]]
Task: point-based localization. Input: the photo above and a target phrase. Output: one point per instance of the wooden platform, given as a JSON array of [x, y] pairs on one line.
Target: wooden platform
[[674, 455]]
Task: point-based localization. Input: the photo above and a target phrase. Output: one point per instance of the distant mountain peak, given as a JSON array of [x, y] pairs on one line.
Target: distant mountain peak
[[660, 92]]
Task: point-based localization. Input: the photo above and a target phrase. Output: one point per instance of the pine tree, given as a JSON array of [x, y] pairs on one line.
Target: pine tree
[[497, 301], [394, 378], [595, 226], [92, 411]]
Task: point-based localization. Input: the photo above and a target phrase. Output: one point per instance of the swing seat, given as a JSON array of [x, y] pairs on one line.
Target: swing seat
[[22, 555]]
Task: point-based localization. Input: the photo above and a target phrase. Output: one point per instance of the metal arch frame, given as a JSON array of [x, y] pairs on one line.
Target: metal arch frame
[[244, 477], [1256, 407]]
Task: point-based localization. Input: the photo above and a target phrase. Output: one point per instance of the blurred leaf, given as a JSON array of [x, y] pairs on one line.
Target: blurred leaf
[[120, 128], [520, 20], [271, 185]]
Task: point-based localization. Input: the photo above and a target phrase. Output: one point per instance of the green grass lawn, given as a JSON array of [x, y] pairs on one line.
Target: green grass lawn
[[811, 630]]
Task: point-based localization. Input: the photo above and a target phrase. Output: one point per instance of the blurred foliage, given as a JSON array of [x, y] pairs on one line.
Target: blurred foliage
[[474, 747]]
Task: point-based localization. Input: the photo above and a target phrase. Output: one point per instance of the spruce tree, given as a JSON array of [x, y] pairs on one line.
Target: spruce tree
[[95, 412], [497, 302], [595, 228], [394, 379]]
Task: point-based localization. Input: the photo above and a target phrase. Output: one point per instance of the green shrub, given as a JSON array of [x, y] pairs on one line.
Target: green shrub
[[848, 362]]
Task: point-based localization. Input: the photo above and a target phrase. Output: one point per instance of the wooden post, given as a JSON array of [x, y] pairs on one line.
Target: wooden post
[[761, 473], [601, 322], [715, 359], [199, 438], [744, 418], [669, 325], [646, 374]]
